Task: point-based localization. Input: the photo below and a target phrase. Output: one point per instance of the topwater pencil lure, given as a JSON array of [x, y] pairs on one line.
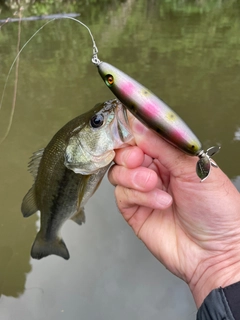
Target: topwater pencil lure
[[155, 114]]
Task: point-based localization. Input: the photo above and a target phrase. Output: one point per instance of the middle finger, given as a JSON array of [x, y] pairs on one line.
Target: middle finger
[[141, 178]]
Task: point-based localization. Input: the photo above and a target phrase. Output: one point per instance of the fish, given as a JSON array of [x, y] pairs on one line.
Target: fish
[[69, 170], [156, 114]]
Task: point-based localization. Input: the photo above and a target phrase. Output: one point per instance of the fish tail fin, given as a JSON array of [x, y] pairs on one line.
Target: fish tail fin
[[42, 248], [29, 205]]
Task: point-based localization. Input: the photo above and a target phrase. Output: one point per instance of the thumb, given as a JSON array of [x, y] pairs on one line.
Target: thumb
[[173, 159]]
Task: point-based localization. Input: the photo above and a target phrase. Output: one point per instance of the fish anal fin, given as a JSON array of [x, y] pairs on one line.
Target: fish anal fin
[[29, 205], [34, 162], [79, 216], [42, 248]]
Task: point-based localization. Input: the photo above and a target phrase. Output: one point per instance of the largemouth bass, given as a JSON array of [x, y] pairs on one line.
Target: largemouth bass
[[69, 170]]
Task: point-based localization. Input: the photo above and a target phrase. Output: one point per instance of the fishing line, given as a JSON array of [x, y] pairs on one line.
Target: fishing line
[[95, 60], [15, 86], [14, 61]]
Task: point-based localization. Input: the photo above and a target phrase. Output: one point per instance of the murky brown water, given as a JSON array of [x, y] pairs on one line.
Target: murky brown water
[[188, 53]]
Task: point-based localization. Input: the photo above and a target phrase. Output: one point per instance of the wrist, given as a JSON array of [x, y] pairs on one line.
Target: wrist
[[219, 271]]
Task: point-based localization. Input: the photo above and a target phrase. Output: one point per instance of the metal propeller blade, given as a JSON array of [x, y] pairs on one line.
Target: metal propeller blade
[[212, 151], [204, 163], [203, 167]]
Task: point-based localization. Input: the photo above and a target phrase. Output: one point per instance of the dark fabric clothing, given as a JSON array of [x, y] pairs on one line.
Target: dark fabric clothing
[[221, 304], [232, 294]]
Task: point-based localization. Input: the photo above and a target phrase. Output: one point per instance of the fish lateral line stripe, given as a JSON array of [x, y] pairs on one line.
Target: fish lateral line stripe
[[62, 185]]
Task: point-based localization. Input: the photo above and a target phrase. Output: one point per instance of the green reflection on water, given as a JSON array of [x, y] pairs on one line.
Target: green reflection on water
[[187, 52]]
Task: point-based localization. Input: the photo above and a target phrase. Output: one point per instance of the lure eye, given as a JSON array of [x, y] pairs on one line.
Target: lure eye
[[109, 80], [97, 121]]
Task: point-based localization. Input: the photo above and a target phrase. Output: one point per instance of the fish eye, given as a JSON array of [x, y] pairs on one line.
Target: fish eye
[[109, 80], [97, 120]]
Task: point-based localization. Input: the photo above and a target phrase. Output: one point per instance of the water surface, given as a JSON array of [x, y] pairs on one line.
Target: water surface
[[186, 52]]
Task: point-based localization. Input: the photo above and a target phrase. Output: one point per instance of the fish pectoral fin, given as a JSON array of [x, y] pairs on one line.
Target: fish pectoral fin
[[42, 248], [29, 205], [79, 216]]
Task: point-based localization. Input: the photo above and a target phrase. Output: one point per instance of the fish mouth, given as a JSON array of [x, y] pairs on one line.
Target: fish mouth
[[122, 130], [125, 115]]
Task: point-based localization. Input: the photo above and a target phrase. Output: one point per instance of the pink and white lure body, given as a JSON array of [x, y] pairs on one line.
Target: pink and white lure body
[[156, 115], [149, 109]]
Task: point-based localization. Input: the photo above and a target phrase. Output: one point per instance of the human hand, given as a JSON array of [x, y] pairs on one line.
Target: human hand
[[193, 228]]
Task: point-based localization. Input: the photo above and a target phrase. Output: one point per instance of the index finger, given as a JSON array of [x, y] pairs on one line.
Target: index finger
[[132, 157]]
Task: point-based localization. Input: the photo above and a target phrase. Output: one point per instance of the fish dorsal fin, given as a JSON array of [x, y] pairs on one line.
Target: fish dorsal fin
[[34, 162]]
